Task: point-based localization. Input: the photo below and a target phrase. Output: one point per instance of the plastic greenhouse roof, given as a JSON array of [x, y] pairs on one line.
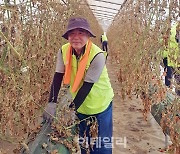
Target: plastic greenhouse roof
[[105, 10]]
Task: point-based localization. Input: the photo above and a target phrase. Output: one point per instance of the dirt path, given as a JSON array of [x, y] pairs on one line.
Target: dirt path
[[132, 134]]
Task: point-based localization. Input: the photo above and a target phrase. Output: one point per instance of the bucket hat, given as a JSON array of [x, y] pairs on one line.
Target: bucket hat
[[77, 23]]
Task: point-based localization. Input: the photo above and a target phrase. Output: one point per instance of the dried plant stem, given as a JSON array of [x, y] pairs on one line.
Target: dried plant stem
[[8, 139], [90, 117], [10, 45]]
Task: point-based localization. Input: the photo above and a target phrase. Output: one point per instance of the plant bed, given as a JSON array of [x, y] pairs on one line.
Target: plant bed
[[157, 110]]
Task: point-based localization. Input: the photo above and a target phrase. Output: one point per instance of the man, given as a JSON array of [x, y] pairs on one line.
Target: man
[[172, 55], [104, 42], [81, 64]]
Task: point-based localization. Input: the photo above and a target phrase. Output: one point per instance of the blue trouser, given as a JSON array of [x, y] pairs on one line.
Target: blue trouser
[[168, 76], [177, 79], [104, 46], [103, 144]]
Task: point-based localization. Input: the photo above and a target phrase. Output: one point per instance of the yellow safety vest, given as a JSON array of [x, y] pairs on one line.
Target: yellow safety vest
[[101, 93], [173, 55], [104, 38]]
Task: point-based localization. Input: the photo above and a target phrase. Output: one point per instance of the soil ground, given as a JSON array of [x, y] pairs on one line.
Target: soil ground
[[132, 134]]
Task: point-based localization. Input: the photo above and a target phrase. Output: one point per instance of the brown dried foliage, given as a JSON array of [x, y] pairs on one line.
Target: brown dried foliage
[[29, 41], [135, 39]]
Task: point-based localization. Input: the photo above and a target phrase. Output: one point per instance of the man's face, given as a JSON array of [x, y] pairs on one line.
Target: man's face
[[78, 38]]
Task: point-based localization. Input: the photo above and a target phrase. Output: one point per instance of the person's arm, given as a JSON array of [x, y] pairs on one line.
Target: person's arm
[[58, 76], [93, 73], [177, 36], [50, 108], [165, 62], [55, 87], [82, 94]]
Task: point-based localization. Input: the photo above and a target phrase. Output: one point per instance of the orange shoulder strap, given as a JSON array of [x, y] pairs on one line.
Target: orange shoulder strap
[[81, 67], [67, 75]]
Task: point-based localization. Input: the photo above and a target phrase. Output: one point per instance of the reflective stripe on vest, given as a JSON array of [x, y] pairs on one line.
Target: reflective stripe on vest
[[101, 93]]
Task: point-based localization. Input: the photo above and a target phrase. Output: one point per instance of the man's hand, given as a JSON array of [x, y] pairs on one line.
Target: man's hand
[[72, 105], [49, 112], [165, 72]]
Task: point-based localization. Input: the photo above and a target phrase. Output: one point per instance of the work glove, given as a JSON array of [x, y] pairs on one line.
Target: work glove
[[72, 106], [73, 111], [49, 113]]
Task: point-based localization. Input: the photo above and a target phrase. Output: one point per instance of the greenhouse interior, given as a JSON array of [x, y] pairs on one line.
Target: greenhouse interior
[[89, 76]]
